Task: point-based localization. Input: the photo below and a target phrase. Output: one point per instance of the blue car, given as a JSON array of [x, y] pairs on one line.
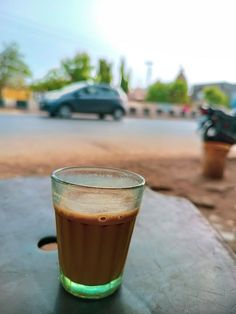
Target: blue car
[[100, 99]]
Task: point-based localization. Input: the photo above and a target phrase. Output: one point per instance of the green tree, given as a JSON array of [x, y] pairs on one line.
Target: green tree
[[124, 76], [77, 68], [158, 92], [175, 92], [13, 69], [215, 96], [104, 73], [178, 92], [54, 79]]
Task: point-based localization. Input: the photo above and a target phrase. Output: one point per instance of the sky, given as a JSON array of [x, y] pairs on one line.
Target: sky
[[196, 35]]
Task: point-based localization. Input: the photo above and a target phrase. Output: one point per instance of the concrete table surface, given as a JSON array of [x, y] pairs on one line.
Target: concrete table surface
[[177, 262]]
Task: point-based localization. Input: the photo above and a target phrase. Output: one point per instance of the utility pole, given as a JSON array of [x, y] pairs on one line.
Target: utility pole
[[149, 65]]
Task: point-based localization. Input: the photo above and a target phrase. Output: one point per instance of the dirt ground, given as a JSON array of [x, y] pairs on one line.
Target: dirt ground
[[172, 176]]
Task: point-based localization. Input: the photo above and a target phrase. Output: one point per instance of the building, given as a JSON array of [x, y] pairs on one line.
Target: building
[[137, 94], [228, 88], [20, 98]]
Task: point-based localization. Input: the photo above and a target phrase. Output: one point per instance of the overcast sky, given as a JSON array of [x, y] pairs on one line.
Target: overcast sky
[[198, 35]]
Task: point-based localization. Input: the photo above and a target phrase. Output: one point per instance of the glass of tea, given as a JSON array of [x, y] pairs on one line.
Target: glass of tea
[[95, 210]]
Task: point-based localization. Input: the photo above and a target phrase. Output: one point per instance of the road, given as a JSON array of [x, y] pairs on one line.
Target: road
[[129, 136], [36, 142]]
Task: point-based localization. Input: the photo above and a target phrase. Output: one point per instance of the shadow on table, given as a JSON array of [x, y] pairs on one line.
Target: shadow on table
[[66, 303]]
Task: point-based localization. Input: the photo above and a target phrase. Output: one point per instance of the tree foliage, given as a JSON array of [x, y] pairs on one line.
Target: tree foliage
[[215, 96], [124, 76], [158, 92], [54, 79], [174, 92], [13, 69], [178, 92], [104, 73], [77, 68]]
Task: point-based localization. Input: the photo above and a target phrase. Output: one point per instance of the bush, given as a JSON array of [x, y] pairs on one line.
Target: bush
[[175, 92], [158, 92], [215, 96]]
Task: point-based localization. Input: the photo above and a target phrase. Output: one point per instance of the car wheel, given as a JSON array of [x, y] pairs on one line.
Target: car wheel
[[64, 112], [101, 116], [51, 114], [118, 114]]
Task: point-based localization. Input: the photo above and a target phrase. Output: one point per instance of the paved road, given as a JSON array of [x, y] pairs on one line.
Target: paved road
[[40, 124], [31, 144], [131, 136], [34, 144]]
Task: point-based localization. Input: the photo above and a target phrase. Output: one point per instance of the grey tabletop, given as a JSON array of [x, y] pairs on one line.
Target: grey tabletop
[[176, 264]]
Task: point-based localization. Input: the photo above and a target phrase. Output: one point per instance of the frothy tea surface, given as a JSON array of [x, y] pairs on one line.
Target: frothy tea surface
[[100, 177]]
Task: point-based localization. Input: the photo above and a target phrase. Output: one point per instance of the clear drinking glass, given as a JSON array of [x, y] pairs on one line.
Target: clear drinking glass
[[95, 211]]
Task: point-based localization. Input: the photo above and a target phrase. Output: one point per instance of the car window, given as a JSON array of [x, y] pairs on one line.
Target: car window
[[90, 90], [108, 92], [98, 90]]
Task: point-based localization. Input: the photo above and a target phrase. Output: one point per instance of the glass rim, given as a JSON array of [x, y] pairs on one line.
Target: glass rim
[[133, 186]]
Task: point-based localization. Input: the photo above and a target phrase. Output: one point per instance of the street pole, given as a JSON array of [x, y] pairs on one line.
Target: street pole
[[149, 65]]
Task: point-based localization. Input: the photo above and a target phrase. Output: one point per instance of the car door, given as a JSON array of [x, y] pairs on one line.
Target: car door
[[105, 100], [86, 99]]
